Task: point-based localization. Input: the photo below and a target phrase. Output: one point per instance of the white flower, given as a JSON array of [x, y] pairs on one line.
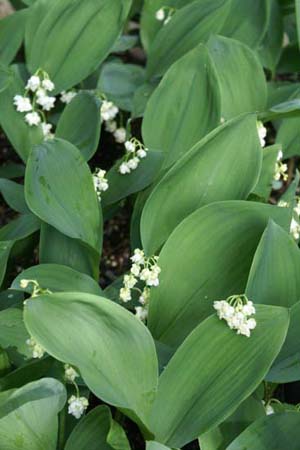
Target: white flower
[[279, 155], [77, 406], [67, 97], [24, 283], [46, 128], [108, 110], [243, 329], [283, 204], [160, 15], [133, 163], [129, 281], [37, 350], [33, 118], [295, 229], [46, 102], [120, 135], [236, 311], [100, 182], [285, 40], [138, 256], [145, 297], [141, 153], [135, 270], [33, 83], [48, 85], [262, 133], [297, 207], [141, 312], [22, 104], [269, 410], [125, 294], [123, 169], [130, 146], [111, 126], [251, 324], [224, 310], [248, 309], [151, 276], [70, 373]]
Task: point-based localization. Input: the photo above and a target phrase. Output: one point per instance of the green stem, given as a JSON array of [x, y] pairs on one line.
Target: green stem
[[62, 428]]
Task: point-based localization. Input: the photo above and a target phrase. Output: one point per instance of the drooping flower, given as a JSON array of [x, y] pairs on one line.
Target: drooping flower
[[108, 110], [22, 104], [33, 83], [67, 97], [160, 14], [100, 182], [262, 133], [48, 85], [120, 135], [37, 350], [135, 151], [77, 406], [33, 119], [70, 373]]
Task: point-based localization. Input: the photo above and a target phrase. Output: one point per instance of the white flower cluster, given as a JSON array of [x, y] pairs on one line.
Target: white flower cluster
[[70, 373], [77, 406], [143, 269], [100, 182], [280, 168], [262, 133], [135, 151], [67, 96], [108, 111], [164, 14], [36, 101], [36, 349], [236, 311]]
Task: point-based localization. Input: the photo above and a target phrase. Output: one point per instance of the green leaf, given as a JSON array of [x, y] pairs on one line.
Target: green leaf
[[70, 38], [289, 136], [273, 432], [264, 185], [207, 258], [121, 186], [289, 108], [151, 445], [80, 123], [93, 430], [13, 332], [12, 29], [20, 228], [188, 27], [241, 76], [68, 202], [220, 437], [119, 82], [125, 42], [193, 181], [116, 358], [247, 21], [57, 248], [12, 170], [175, 119], [297, 7], [21, 135], [57, 278], [29, 415], [188, 403], [13, 194]]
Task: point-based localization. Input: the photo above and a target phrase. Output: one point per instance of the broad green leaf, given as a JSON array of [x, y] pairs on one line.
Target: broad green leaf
[[288, 135], [151, 445], [116, 358], [297, 6], [57, 278], [184, 107], [33, 370], [13, 332], [188, 27], [274, 432], [5, 74], [68, 202], [93, 430], [290, 108], [264, 184], [20, 228], [57, 248], [218, 438], [80, 123], [29, 415], [241, 76], [193, 181], [140, 99], [21, 135], [13, 194], [5, 249], [119, 82], [247, 21], [125, 42], [206, 258], [12, 29], [11, 299], [12, 170], [274, 280], [188, 403], [70, 38], [121, 186]]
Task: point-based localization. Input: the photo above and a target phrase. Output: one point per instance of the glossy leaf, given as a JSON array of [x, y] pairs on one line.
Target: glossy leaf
[[13, 194], [174, 122], [13, 332], [80, 124], [57, 278], [264, 184], [271, 432], [63, 33], [241, 76], [206, 258], [188, 403], [116, 358], [12, 29], [201, 177], [29, 415], [68, 202], [188, 27]]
